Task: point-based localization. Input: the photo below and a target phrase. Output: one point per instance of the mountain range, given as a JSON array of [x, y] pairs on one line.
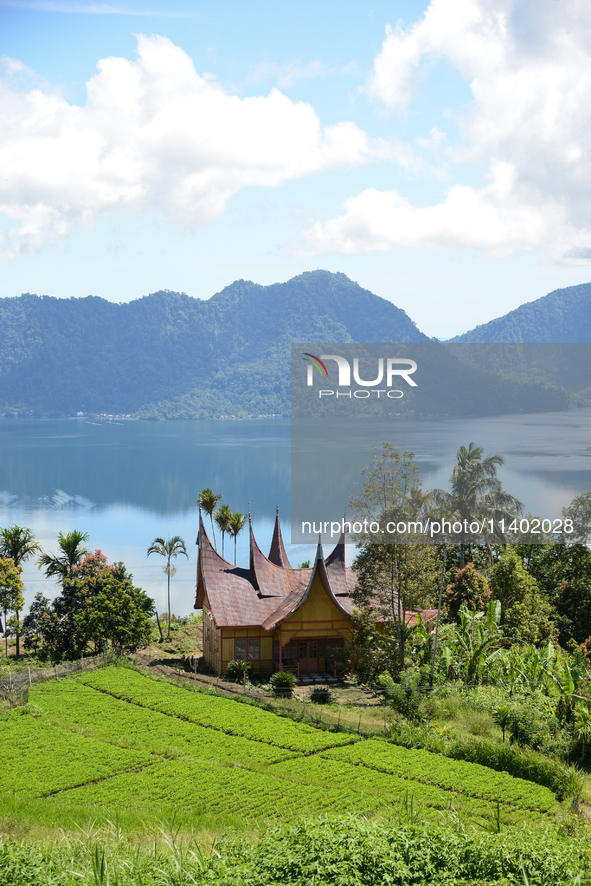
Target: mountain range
[[169, 355]]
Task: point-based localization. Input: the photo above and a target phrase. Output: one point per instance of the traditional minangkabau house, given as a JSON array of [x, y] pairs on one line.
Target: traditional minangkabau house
[[274, 616]]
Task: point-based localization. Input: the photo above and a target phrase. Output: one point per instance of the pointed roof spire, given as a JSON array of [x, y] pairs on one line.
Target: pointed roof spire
[[277, 552]]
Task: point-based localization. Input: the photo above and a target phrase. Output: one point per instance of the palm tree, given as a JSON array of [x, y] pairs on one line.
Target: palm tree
[[476, 493], [72, 552], [208, 500], [171, 548], [237, 522], [223, 519], [19, 545]]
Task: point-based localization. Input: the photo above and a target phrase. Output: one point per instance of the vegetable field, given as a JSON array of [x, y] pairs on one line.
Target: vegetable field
[[116, 744]]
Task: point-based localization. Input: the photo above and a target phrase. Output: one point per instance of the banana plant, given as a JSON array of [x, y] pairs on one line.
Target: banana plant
[[474, 642]]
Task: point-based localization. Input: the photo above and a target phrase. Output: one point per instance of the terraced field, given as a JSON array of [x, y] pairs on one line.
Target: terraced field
[[117, 744]]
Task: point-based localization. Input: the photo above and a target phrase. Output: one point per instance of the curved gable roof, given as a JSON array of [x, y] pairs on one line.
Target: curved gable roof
[[266, 593]]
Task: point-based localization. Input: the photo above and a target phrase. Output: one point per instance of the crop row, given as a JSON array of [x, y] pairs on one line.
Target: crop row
[[37, 758], [111, 719], [385, 788], [223, 714], [193, 789], [431, 769]]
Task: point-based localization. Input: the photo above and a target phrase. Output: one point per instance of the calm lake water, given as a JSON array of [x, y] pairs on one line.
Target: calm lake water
[[127, 482]]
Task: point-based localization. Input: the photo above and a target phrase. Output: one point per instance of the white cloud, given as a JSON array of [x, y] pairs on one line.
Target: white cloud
[[527, 127], [154, 137], [287, 75]]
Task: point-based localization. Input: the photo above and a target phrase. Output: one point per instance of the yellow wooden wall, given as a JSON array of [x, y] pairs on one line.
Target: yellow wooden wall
[[317, 618], [264, 665]]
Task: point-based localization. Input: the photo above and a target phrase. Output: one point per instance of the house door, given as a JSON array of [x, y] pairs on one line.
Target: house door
[[307, 655]]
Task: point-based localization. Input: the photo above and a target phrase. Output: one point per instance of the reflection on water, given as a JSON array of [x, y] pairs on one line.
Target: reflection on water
[[126, 483], [129, 482], [547, 458]]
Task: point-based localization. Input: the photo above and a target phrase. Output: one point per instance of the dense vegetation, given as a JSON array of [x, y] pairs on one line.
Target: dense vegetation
[[170, 356], [561, 316], [346, 851]]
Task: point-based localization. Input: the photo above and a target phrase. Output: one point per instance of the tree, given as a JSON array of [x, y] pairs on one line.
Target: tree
[[11, 587], [34, 620], [19, 545], [237, 522], [208, 500], [223, 519], [72, 552], [392, 579], [401, 575], [476, 495], [171, 548], [100, 606], [469, 588], [579, 511], [527, 615], [391, 491]]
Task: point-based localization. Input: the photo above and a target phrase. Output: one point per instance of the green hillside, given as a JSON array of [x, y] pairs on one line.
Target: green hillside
[[561, 316], [168, 355]]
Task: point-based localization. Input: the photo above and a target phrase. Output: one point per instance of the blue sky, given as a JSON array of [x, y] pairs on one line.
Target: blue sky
[[435, 153]]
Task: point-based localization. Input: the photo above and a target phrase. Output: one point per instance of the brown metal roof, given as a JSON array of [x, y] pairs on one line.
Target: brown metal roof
[[287, 606], [266, 592], [277, 552]]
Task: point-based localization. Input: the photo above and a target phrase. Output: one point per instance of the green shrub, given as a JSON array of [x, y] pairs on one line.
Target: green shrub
[[283, 680], [521, 762], [321, 695], [405, 698], [237, 671]]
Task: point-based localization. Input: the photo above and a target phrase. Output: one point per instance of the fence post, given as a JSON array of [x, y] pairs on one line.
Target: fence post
[[29, 670]]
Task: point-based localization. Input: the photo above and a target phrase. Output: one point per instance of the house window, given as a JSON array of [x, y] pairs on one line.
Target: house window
[[253, 650], [240, 650], [247, 650]]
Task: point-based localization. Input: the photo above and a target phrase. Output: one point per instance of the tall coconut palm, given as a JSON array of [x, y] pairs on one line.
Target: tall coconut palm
[[223, 519], [18, 544], [171, 548], [236, 526], [72, 551], [476, 493], [208, 500]]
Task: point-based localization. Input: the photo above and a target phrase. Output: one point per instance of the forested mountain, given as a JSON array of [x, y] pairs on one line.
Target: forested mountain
[[561, 316], [168, 355]]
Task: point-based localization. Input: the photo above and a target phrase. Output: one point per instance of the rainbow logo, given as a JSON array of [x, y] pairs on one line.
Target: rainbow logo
[[317, 363]]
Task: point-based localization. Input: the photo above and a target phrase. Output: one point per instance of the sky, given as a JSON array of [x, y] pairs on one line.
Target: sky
[[438, 154]]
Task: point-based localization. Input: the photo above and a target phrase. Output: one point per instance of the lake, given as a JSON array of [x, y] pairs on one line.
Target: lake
[[124, 483]]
